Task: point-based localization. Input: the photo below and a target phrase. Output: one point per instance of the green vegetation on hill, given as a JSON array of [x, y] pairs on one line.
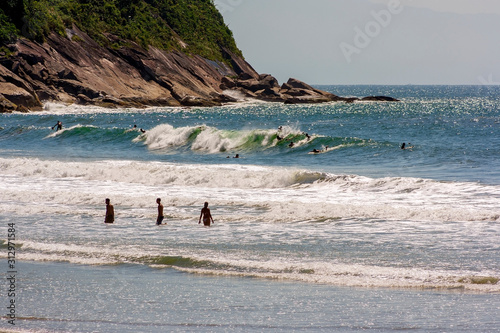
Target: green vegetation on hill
[[160, 23]]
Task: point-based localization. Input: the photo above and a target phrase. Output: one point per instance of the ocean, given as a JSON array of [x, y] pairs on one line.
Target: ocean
[[360, 235]]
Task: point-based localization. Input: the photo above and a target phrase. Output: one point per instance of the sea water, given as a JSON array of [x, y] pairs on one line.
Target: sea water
[[363, 236]]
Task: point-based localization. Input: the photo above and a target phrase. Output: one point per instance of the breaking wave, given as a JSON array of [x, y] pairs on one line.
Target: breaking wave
[[309, 271]]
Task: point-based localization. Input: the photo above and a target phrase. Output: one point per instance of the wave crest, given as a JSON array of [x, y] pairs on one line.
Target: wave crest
[[212, 140]]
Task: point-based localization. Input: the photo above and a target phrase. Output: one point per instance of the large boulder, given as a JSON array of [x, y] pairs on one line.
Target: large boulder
[[268, 81], [263, 87], [379, 99], [6, 106], [307, 100], [227, 83], [294, 83], [262, 82], [19, 96], [298, 92], [302, 86]]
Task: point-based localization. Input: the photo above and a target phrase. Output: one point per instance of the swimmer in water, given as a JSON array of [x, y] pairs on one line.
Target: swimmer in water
[[206, 215], [405, 147], [278, 136], [160, 217], [135, 129], [110, 212]]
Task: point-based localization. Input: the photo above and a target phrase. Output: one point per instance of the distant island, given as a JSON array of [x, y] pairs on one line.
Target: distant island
[[130, 53]]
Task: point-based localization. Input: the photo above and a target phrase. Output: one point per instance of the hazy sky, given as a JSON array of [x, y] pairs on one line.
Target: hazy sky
[[369, 41]]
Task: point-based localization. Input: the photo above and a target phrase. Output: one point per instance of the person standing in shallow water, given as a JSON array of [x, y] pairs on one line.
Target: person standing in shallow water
[[205, 214], [110, 212], [160, 217]]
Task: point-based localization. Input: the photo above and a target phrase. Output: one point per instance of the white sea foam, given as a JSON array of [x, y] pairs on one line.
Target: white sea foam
[[54, 108], [61, 108], [213, 140], [165, 136], [252, 265], [354, 275], [238, 95], [287, 194], [276, 201]]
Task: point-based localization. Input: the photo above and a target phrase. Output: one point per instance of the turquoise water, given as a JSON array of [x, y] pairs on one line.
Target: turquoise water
[[363, 236], [454, 131]]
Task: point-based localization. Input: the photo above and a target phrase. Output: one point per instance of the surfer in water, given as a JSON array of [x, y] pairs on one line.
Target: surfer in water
[[141, 130], [160, 217], [57, 126], [404, 146], [205, 214], [110, 212], [278, 136], [316, 151]]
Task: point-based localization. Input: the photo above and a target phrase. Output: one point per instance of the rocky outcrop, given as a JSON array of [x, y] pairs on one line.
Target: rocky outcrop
[[265, 87], [78, 70], [15, 93], [379, 99], [75, 69]]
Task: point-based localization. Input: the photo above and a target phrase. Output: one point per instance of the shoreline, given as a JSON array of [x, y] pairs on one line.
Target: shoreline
[[248, 305]]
